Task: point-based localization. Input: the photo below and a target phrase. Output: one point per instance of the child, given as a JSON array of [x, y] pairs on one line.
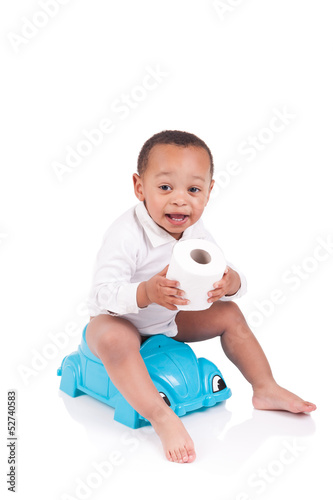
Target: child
[[132, 298]]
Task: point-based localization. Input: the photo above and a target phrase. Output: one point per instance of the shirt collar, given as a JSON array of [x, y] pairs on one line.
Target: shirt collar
[[159, 236]]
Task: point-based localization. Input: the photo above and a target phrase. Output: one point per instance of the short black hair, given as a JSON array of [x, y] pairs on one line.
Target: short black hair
[[176, 137]]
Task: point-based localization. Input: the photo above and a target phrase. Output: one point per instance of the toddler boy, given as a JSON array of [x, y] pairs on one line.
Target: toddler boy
[[131, 297]]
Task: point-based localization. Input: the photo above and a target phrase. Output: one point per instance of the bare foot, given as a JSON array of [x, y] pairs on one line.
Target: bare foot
[[177, 444], [274, 397]]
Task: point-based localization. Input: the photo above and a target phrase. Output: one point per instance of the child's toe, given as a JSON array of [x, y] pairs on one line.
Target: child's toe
[[309, 406], [190, 453], [173, 456], [303, 406], [177, 456], [184, 455]]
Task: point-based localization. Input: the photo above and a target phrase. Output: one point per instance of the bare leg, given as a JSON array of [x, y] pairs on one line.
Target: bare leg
[[117, 343], [225, 319]]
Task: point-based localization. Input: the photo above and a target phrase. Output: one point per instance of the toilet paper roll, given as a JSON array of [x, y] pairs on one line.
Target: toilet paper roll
[[196, 264]]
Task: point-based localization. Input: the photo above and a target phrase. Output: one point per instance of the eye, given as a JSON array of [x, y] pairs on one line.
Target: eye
[[166, 399], [165, 187], [218, 383], [194, 190]]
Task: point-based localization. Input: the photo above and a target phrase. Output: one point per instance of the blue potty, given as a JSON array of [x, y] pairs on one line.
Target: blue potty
[[185, 383]]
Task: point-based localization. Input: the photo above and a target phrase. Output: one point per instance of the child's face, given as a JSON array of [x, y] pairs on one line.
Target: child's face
[[175, 186]]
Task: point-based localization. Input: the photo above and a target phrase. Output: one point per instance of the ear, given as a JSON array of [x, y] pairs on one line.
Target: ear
[[210, 190], [138, 188]]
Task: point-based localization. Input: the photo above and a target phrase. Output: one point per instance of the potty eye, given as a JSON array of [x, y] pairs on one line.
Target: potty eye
[[218, 383], [166, 399]]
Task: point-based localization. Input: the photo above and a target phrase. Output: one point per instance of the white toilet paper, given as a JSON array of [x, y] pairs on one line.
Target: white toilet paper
[[196, 264]]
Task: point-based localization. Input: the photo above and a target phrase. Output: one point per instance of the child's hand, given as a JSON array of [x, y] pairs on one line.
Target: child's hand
[[162, 291], [228, 285]]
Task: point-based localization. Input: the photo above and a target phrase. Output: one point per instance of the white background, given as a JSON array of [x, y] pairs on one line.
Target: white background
[[223, 76]]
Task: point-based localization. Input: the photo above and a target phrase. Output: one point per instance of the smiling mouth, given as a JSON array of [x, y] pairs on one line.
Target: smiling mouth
[[177, 218]]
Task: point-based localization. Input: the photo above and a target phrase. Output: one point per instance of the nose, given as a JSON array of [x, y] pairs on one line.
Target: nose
[[179, 198]]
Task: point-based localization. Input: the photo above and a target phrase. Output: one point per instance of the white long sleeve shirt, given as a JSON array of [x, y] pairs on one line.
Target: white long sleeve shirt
[[134, 249]]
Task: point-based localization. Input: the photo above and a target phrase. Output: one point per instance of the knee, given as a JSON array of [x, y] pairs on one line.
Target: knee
[[114, 340], [116, 345], [232, 313]]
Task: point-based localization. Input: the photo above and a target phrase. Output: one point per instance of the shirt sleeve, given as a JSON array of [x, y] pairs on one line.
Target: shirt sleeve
[[112, 289], [243, 287]]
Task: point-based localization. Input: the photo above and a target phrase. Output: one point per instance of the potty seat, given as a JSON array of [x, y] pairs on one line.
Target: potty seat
[[185, 382]]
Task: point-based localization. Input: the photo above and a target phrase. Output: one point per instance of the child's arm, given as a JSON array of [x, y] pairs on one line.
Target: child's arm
[[113, 289], [116, 263]]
